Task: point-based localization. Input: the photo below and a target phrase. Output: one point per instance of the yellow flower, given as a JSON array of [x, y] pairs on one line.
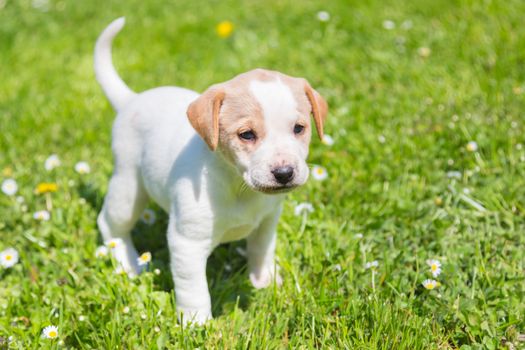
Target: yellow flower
[[46, 187], [224, 29], [7, 172]]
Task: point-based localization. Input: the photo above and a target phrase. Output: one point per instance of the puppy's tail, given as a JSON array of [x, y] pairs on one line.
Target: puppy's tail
[[115, 89]]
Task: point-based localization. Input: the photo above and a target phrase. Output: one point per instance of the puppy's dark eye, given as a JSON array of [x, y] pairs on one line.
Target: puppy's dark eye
[[298, 129], [247, 135]]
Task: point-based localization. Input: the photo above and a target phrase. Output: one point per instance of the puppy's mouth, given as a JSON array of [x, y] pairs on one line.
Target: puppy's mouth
[[275, 189]]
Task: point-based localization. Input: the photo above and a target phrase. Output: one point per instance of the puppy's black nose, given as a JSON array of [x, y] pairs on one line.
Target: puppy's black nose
[[283, 174]]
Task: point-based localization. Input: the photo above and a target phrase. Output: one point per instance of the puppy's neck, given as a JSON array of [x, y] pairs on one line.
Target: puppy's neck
[[232, 182]]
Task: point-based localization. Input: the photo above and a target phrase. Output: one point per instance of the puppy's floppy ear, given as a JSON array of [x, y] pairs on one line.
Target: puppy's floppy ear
[[203, 114], [319, 108]]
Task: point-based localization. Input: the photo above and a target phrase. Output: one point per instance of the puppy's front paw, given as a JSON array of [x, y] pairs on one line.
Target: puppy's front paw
[[126, 258], [190, 317], [264, 277]]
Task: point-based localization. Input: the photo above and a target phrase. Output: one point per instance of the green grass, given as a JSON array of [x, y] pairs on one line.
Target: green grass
[[426, 109]]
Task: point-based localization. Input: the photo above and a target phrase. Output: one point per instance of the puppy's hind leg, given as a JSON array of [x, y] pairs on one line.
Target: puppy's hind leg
[[124, 202]]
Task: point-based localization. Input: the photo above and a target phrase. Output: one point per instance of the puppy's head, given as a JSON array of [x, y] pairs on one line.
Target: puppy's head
[[260, 122]]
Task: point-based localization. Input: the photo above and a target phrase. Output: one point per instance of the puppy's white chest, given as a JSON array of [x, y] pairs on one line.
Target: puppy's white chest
[[237, 233], [244, 216]]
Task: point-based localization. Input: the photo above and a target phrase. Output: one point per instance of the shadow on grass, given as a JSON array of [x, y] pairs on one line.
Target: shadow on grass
[[226, 268], [91, 194]]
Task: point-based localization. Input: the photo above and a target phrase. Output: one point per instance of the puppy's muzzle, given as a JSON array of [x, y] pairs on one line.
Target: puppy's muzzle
[[284, 174]]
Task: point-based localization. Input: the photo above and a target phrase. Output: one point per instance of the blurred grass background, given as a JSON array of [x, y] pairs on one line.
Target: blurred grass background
[[409, 84]]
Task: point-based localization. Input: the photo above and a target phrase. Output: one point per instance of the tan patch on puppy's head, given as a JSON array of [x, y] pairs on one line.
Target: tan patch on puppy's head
[[240, 114]]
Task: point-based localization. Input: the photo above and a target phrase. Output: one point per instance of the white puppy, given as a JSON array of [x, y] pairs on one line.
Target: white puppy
[[219, 163]]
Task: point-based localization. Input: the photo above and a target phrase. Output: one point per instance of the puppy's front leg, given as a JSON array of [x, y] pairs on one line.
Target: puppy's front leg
[[261, 253], [188, 266]]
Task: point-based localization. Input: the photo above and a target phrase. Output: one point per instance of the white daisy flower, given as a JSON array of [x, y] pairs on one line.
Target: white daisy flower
[[114, 243], [319, 173], [50, 332], [472, 146], [430, 284], [52, 162], [304, 207], [407, 24], [125, 310], [101, 251], [435, 267], [424, 52], [241, 251], [454, 174], [143, 316], [42, 5], [120, 270], [82, 168], [42, 215], [144, 259], [323, 16], [371, 264], [328, 140], [9, 187], [8, 257], [156, 272], [389, 24], [148, 217], [81, 318]]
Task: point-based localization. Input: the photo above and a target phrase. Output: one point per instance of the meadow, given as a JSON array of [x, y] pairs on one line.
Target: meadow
[[426, 167]]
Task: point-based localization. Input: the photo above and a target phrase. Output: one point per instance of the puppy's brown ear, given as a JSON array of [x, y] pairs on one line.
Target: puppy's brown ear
[[203, 114], [319, 108]]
